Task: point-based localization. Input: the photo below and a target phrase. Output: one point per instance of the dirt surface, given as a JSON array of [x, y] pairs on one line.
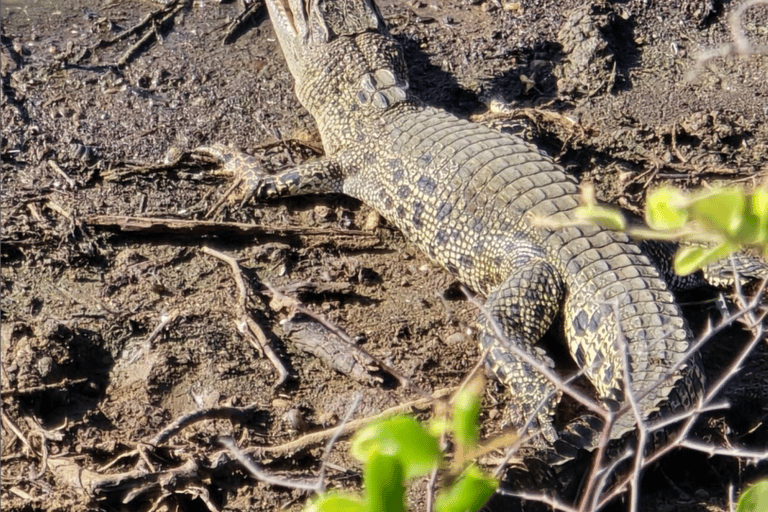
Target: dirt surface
[[116, 322]]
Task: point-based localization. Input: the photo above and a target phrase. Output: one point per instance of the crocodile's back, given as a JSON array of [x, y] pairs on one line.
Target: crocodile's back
[[473, 199], [464, 193]]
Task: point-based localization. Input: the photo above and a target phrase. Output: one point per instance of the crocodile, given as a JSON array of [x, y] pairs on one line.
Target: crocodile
[[473, 199]]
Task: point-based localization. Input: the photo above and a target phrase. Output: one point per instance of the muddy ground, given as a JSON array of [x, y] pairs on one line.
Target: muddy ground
[[117, 321]]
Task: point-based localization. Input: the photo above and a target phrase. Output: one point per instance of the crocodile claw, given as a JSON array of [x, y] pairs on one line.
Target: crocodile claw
[[246, 170]]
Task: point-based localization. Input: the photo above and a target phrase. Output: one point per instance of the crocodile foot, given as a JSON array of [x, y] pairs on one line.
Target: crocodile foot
[[319, 176], [245, 169]]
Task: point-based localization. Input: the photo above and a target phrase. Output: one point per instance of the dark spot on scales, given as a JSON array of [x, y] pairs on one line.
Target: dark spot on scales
[[608, 375], [424, 160], [403, 191], [443, 211], [580, 323], [466, 261], [476, 225], [579, 355], [451, 268], [397, 175], [400, 212], [426, 184], [611, 404], [395, 163], [441, 237], [418, 209], [594, 322]]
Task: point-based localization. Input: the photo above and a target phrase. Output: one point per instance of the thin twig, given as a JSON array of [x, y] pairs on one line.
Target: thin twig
[[128, 223], [740, 44], [150, 34], [539, 497], [319, 485], [42, 388], [258, 474], [165, 320], [11, 425], [210, 413], [316, 438], [602, 473], [595, 485], [711, 450], [246, 324], [642, 433], [239, 21], [334, 438]]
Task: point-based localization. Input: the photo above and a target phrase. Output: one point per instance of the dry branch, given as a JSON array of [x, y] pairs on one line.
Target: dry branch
[[124, 223]]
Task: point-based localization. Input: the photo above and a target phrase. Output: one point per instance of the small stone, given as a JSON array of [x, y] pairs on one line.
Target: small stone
[[280, 403], [45, 366], [456, 338], [371, 221], [295, 420]]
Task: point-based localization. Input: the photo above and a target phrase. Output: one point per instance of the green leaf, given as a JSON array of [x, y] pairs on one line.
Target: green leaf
[[473, 489], [602, 216], [438, 426], [754, 498], [758, 207], [384, 481], [721, 210], [690, 259], [401, 437], [337, 502], [466, 414], [749, 231], [666, 209]]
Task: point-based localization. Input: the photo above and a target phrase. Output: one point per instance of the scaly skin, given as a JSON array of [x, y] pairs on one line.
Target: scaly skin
[[469, 197]]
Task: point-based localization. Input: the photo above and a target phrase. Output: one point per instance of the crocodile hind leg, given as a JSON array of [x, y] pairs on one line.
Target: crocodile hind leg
[[523, 307], [320, 176]]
